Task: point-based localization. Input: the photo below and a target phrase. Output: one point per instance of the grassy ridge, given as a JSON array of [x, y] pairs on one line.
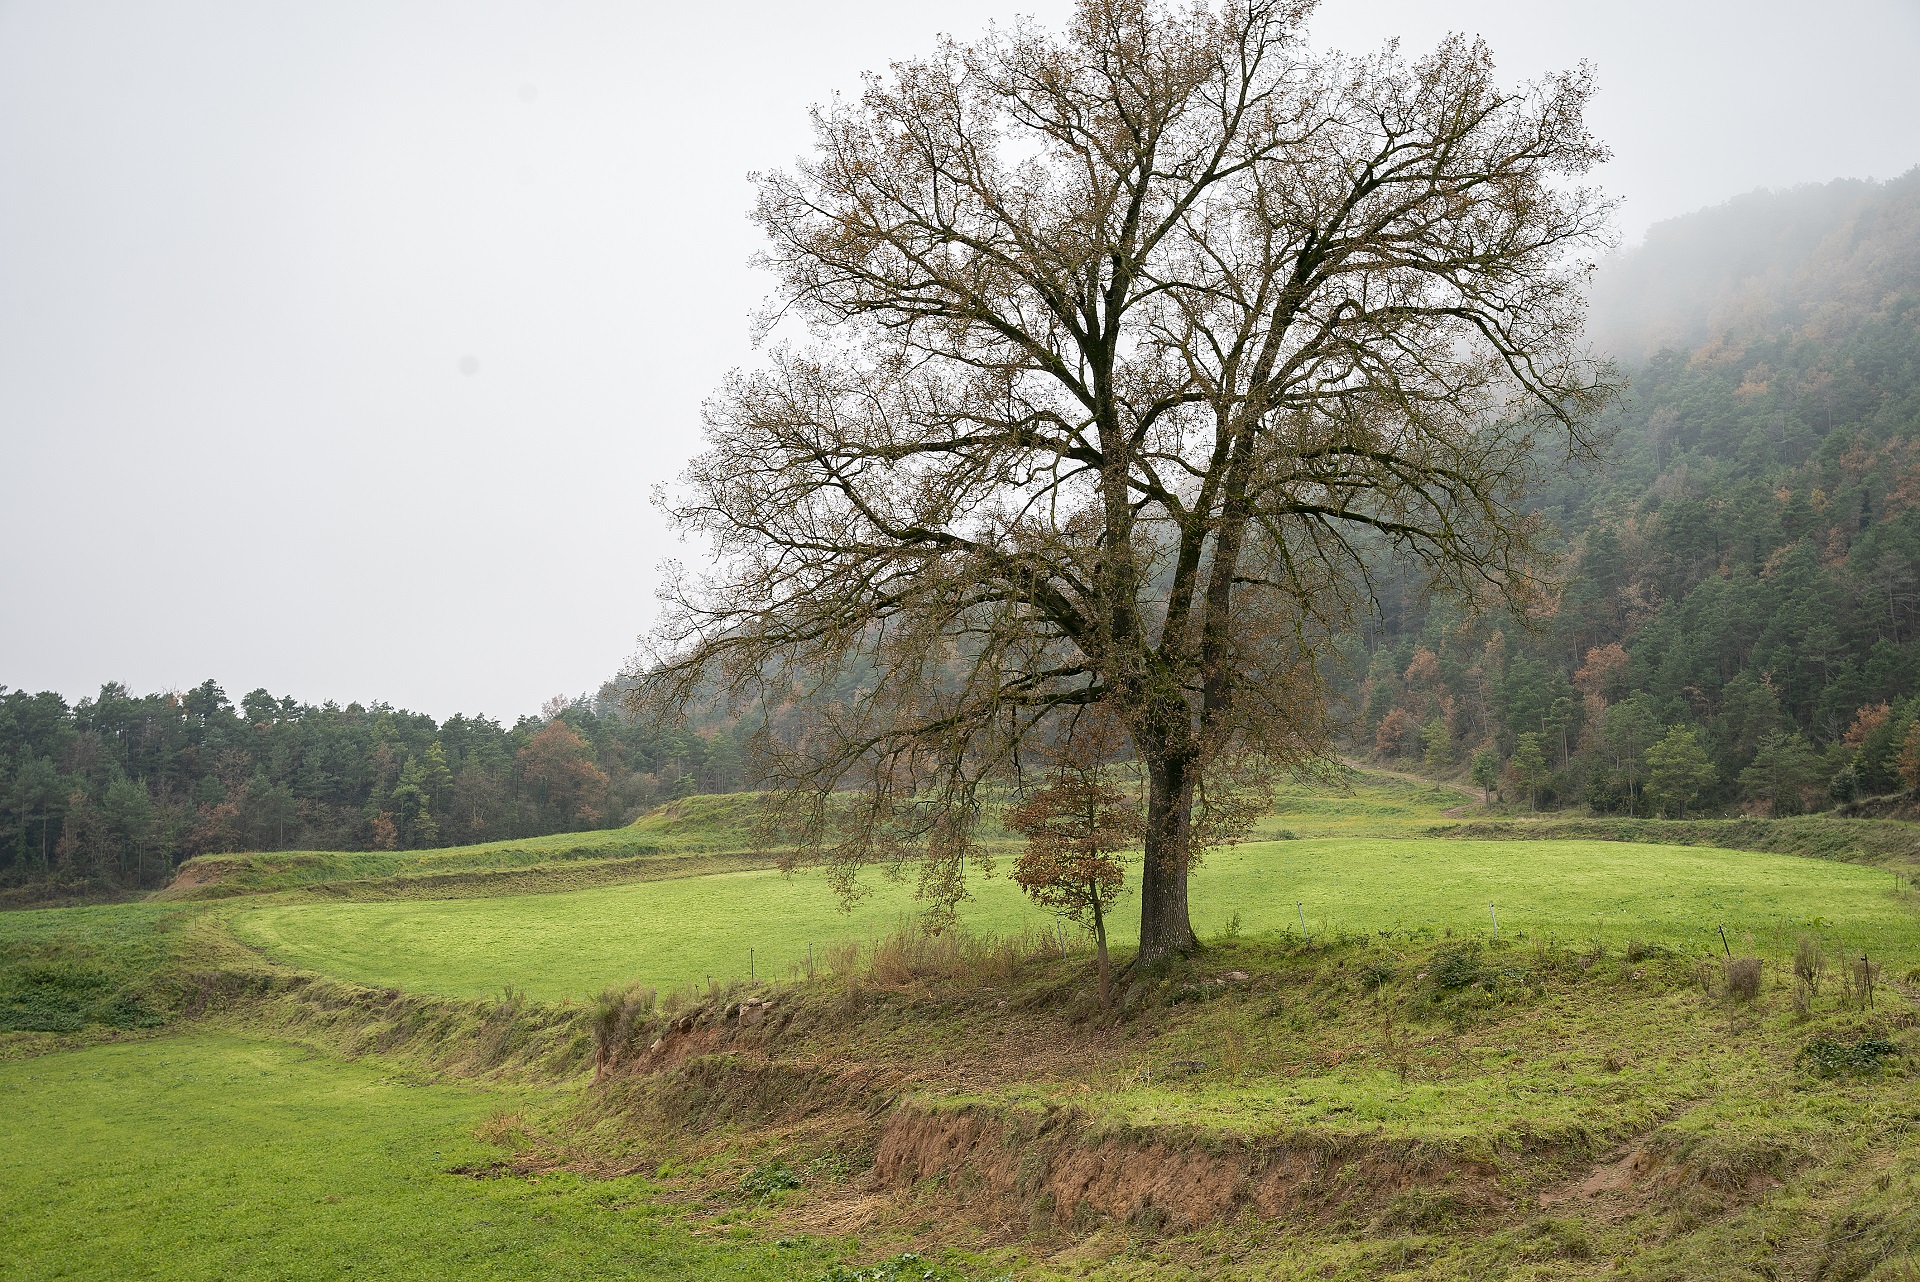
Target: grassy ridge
[[1866, 841], [693, 826], [1371, 805], [671, 933]]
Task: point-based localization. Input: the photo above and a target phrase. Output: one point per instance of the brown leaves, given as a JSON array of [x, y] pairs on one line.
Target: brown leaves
[[1075, 829]]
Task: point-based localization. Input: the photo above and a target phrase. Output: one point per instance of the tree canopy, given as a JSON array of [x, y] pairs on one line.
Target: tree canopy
[[1130, 345]]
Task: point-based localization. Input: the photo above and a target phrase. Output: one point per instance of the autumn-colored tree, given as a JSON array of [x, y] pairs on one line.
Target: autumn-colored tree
[[1424, 683], [217, 829], [1908, 763], [1076, 826], [1603, 675], [1395, 734], [557, 768], [1602, 681], [1866, 721], [385, 836]]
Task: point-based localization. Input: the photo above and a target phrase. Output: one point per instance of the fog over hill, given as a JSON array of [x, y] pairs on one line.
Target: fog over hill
[[1810, 257], [1743, 575]]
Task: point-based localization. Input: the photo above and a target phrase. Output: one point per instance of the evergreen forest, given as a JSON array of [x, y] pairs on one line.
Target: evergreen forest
[[116, 790], [1739, 626]]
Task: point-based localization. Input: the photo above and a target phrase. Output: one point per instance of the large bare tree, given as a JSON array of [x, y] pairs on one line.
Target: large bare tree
[[1130, 348]]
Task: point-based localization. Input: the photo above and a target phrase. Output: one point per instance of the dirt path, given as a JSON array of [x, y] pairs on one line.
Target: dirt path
[[1452, 812], [1404, 777]]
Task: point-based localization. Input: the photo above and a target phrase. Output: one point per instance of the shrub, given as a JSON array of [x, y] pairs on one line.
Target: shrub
[[843, 958], [1376, 975], [769, 1178], [616, 1013], [905, 1267], [1809, 963], [1830, 1058], [915, 952], [1862, 977], [1743, 978], [1457, 968]]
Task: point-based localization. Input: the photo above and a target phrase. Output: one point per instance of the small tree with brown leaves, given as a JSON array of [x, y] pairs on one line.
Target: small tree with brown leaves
[[1134, 346], [1076, 827]]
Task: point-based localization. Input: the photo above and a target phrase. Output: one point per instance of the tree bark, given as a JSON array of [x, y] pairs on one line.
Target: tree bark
[[1165, 928], [1100, 944]]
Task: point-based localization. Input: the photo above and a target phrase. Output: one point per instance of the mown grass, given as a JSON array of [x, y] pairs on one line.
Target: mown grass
[[1871, 841], [672, 933], [216, 1156]]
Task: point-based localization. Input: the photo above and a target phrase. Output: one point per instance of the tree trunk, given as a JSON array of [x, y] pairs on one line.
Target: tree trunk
[[1164, 926], [1100, 948]]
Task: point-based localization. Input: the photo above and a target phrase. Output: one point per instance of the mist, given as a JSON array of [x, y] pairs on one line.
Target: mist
[[341, 347]]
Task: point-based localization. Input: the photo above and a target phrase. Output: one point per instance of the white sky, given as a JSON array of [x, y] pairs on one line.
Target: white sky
[[249, 253]]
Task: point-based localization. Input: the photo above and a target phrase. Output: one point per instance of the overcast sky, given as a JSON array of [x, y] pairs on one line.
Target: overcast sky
[[341, 344]]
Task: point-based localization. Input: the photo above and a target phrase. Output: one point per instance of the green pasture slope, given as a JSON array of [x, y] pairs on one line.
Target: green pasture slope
[[707, 827], [1359, 858], [695, 826], [673, 933], [207, 1156]]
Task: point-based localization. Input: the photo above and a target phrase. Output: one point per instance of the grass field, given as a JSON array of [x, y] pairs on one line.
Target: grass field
[[64, 968], [174, 1105], [213, 1156], [693, 826], [673, 933], [1371, 805]]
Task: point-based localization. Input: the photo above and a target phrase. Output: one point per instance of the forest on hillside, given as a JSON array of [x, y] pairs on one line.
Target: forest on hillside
[[117, 789], [1740, 622]]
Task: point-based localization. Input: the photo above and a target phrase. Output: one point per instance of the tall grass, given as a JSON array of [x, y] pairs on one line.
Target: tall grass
[[914, 953]]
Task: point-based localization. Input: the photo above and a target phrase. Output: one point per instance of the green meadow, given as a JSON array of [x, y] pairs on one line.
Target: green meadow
[[324, 1130], [694, 826], [211, 1156], [679, 932], [676, 837]]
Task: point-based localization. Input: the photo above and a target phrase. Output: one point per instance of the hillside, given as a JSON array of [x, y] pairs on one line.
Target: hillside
[[1746, 565]]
